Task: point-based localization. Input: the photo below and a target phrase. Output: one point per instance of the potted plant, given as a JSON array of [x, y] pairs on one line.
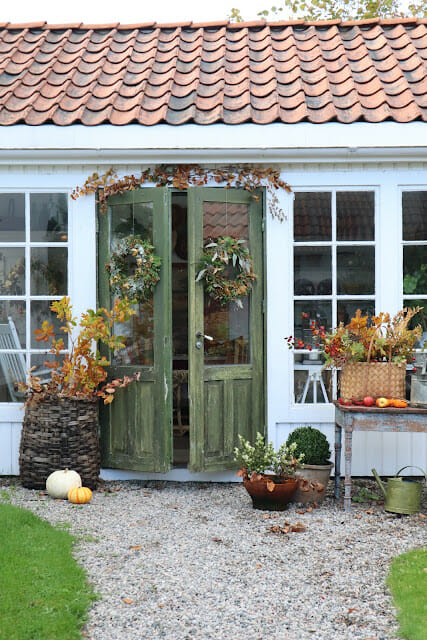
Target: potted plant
[[372, 354], [271, 491], [313, 445], [60, 427]]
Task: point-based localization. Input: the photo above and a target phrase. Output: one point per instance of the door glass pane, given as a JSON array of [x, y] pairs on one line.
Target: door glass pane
[[355, 215], [40, 311], [49, 271], [312, 216], [49, 217], [228, 325], [125, 220], [414, 218], [415, 270], [355, 270], [312, 271], [12, 217], [15, 311], [12, 271]]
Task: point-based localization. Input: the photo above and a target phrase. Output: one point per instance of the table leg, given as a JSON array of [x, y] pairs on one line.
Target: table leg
[[347, 457], [338, 438]]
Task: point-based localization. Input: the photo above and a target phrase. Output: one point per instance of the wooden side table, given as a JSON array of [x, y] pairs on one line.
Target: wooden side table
[[353, 418]]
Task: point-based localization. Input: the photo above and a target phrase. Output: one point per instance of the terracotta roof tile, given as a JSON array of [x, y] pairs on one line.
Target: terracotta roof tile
[[260, 72]]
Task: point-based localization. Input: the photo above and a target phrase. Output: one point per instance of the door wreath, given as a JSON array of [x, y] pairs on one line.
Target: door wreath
[[221, 257], [134, 269]]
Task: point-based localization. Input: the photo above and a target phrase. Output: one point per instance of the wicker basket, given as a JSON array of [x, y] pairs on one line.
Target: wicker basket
[[376, 379], [56, 434]]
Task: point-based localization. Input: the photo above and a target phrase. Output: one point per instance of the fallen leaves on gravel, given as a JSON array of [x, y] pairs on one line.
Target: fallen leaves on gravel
[[127, 600], [298, 527]]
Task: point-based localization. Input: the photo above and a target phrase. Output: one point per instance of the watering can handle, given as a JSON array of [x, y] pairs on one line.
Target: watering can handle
[[409, 466], [378, 479]]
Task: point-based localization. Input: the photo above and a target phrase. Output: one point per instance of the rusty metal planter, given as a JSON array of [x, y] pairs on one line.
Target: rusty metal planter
[[275, 500]]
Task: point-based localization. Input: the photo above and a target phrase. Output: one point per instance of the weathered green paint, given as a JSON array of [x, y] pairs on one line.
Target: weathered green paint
[[136, 429], [225, 400]]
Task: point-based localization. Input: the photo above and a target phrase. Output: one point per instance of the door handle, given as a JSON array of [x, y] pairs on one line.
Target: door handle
[[200, 334]]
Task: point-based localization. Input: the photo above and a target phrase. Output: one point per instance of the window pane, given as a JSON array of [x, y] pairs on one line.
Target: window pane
[[229, 328], [12, 272], [12, 319], [355, 215], [12, 217], [355, 270], [225, 219], [40, 311], [132, 219], [138, 335], [312, 216], [38, 360], [12, 371], [307, 313], [227, 325], [420, 318], [138, 332], [311, 384], [312, 271], [414, 219], [49, 217], [415, 270], [346, 309], [49, 271]]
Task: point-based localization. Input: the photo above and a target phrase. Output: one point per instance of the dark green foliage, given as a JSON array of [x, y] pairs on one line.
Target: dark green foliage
[[312, 443]]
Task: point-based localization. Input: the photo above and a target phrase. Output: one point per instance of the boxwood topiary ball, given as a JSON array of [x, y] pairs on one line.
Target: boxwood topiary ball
[[312, 443]]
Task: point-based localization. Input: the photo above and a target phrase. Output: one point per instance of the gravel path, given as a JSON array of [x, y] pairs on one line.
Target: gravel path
[[186, 561]]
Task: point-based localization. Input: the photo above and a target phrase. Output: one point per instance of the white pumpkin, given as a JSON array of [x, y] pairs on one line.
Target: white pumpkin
[[60, 482]]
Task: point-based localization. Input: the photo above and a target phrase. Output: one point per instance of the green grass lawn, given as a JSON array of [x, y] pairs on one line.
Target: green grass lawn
[[407, 581], [43, 591]]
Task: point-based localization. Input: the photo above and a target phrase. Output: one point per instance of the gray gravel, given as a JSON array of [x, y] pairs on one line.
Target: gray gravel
[[186, 561]]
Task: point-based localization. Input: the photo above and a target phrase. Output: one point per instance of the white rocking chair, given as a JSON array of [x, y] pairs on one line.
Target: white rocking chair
[[13, 363]]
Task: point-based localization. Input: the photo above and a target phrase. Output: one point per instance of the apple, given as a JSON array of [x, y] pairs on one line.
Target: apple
[[368, 401]]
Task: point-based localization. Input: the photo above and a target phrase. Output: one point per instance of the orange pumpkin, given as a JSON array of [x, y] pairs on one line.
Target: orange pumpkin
[[79, 495], [399, 404]]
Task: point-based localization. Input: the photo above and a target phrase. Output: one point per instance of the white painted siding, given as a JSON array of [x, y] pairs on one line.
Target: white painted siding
[[387, 452]]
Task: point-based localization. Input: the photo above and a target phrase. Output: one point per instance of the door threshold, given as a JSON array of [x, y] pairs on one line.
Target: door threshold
[[175, 475]]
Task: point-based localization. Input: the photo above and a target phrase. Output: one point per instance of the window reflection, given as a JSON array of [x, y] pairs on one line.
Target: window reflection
[[49, 217], [228, 325], [12, 217]]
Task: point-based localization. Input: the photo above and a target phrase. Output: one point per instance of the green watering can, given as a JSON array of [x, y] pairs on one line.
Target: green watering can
[[402, 495]]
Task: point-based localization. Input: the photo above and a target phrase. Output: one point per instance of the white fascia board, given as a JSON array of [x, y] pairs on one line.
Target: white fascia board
[[274, 143]]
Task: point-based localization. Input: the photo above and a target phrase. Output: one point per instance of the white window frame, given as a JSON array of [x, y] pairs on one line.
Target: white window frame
[[27, 245]]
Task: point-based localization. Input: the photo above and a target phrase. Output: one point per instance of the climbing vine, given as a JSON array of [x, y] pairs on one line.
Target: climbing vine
[[183, 176]]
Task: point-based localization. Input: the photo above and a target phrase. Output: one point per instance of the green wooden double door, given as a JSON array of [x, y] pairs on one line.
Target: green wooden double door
[[184, 344]]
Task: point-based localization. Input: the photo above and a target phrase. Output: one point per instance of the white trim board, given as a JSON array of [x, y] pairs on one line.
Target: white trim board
[[386, 141]]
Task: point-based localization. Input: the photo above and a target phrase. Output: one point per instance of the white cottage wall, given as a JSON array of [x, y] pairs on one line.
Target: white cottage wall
[[387, 452], [81, 275]]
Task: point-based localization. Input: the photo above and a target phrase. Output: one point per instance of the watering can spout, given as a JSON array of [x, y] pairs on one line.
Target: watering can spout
[[380, 484]]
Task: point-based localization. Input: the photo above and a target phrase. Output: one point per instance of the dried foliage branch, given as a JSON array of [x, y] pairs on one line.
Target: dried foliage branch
[[184, 176]]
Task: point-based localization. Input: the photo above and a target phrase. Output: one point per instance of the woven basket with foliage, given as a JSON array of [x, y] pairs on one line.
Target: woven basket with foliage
[[376, 379], [60, 433]]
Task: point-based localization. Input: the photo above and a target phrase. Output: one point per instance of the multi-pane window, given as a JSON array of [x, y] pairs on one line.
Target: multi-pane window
[[334, 275], [33, 272], [414, 236]]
